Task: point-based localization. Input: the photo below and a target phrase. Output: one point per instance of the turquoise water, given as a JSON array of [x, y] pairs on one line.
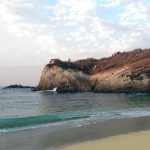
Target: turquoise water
[[23, 108]]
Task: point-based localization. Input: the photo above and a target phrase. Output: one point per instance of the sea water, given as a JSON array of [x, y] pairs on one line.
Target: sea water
[[23, 109]]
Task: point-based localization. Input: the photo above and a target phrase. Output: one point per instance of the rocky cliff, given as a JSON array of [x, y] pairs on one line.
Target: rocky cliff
[[122, 72], [66, 80]]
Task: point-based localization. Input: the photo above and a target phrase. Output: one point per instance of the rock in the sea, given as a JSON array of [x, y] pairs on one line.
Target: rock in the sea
[[17, 86], [122, 72]]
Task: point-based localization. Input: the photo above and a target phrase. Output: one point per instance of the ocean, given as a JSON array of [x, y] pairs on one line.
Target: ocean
[[22, 109]]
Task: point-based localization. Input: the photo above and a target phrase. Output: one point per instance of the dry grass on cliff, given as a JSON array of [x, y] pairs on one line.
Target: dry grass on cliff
[[140, 59], [137, 60]]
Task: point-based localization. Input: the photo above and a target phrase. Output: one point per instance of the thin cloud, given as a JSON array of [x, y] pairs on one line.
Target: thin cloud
[[33, 32]]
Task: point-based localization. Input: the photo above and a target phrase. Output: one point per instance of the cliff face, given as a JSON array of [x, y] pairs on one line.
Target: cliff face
[[122, 72], [121, 80], [66, 80]]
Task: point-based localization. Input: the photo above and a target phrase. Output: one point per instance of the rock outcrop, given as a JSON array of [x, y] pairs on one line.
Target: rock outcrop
[[66, 80], [122, 72], [14, 86], [121, 80]]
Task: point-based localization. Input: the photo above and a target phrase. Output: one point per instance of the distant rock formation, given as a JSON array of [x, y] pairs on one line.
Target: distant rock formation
[[17, 86], [122, 72]]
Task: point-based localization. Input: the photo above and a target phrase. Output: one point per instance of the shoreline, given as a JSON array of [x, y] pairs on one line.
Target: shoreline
[[59, 137], [131, 141]]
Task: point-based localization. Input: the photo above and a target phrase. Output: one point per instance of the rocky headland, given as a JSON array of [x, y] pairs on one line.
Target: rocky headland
[[14, 86], [122, 72]]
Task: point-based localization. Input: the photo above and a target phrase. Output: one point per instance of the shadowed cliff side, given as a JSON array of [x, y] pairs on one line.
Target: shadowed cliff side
[[122, 72]]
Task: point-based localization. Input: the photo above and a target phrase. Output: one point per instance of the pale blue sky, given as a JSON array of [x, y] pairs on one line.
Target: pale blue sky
[[34, 31]]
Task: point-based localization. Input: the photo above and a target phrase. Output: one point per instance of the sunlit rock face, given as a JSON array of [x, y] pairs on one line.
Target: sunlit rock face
[[66, 80]]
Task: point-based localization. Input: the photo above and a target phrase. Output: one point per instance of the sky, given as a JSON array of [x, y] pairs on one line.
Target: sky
[[34, 31]]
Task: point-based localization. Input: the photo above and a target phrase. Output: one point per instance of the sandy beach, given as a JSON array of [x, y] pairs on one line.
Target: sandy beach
[[51, 138], [131, 141]]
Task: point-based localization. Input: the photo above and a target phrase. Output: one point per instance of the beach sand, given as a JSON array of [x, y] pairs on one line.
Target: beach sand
[[131, 141], [52, 138]]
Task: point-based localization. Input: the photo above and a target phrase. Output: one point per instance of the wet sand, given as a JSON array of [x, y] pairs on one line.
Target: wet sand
[[131, 141], [50, 138]]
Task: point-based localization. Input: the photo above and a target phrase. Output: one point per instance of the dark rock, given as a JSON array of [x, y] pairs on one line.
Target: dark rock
[[17, 86]]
